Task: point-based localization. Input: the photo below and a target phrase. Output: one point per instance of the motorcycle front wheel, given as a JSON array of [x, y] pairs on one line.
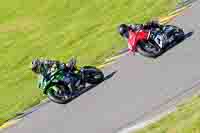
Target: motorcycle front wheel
[[148, 49], [57, 94]]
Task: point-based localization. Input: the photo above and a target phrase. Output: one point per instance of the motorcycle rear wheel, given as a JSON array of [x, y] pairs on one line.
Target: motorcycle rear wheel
[[93, 75], [177, 32]]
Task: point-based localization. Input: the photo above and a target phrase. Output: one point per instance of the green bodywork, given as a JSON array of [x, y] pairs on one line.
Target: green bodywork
[[55, 77]]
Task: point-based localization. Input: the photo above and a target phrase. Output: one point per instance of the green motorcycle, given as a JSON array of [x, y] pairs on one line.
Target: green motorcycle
[[61, 92]]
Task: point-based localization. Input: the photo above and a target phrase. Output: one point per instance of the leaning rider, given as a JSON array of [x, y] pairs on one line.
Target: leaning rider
[[150, 31], [45, 68]]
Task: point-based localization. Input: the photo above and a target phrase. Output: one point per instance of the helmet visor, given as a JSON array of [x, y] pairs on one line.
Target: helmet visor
[[125, 34]]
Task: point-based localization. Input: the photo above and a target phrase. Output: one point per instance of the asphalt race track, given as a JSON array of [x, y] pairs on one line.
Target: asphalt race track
[[138, 89]]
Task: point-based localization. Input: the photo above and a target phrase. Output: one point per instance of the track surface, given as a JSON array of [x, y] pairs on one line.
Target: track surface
[[140, 85]]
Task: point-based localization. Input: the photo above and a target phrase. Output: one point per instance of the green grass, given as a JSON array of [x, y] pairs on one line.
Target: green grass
[[59, 30], [185, 120]]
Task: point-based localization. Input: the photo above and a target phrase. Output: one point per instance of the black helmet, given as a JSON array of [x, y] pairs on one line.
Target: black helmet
[[35, 66], [123, 30]]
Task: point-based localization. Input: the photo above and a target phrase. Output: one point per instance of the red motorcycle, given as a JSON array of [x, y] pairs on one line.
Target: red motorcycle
[[155, 41]]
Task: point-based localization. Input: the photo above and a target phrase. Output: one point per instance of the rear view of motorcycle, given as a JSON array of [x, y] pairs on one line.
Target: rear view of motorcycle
[[61, 92]]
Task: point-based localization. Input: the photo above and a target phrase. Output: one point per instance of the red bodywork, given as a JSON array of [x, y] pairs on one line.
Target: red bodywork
[[135, 37]]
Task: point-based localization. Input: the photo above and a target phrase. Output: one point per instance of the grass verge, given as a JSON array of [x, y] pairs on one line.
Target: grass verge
[[185, 120], [59, 30]]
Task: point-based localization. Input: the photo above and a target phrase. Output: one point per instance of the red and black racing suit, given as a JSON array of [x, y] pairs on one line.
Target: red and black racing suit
[[139, 32]]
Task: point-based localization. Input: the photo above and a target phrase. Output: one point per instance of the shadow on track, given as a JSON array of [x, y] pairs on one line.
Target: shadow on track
[[92, 86], [187, 35]]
